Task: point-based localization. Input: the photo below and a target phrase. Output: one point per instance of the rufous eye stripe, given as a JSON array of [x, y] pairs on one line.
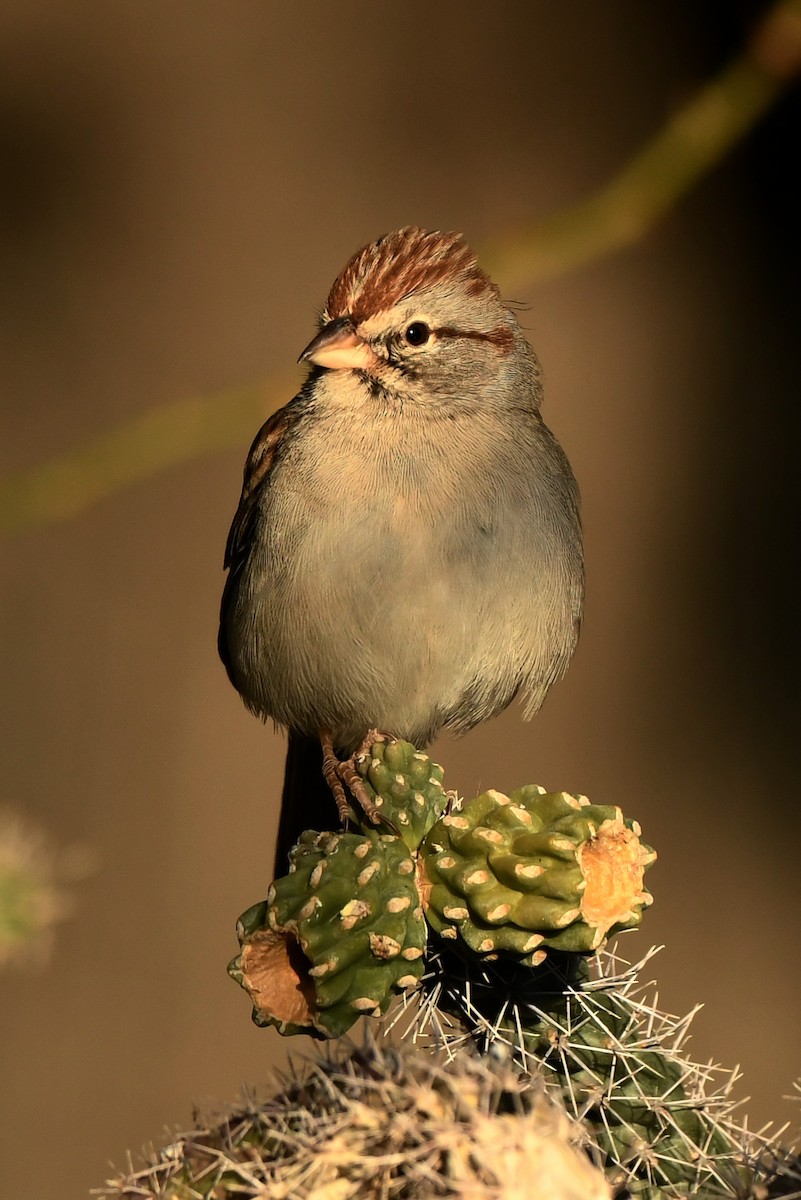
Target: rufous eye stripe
[[502, 336]]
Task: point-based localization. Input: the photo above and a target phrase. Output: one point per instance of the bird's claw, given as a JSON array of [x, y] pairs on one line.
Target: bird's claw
[[342, 776]]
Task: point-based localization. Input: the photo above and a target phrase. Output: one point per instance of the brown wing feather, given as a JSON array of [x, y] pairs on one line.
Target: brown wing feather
[[259, 463]]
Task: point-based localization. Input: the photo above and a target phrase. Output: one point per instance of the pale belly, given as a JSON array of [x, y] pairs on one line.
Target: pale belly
[[404, 610]]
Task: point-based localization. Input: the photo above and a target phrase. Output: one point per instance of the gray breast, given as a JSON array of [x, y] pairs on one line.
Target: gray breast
[[390, 587]]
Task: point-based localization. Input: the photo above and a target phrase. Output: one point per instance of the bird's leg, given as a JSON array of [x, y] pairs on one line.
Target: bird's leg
[[341, 775], [331, 765], [354, 782]]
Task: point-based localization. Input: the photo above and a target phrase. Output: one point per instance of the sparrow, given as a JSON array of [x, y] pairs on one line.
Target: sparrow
[[407, 552]]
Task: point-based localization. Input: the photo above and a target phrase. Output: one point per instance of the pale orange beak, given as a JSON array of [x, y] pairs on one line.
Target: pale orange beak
[[339, 347]]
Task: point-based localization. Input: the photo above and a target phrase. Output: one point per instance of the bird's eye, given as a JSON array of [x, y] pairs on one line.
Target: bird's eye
[[417, 334]]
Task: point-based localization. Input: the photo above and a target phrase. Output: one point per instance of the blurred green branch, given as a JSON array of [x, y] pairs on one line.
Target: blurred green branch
[[692, 142], [153, 441]]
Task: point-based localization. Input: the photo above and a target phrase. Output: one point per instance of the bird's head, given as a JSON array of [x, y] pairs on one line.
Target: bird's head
[[416, 314]]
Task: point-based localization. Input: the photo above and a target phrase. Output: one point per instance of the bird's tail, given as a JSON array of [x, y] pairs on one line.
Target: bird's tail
[[306, 801]]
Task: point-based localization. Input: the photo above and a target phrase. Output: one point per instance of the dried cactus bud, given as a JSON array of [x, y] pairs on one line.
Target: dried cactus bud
[[405, 785], [336, 937], [532, 870]]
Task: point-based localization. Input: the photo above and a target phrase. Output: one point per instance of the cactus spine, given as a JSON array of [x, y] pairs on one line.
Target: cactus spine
[[591, 1033], [381, 1123]]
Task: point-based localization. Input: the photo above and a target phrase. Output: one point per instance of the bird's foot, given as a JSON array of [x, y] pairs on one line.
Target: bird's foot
[[342, 775], [331, 765]]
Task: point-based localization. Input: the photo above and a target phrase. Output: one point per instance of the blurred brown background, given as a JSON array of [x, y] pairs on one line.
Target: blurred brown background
[[180, 183]]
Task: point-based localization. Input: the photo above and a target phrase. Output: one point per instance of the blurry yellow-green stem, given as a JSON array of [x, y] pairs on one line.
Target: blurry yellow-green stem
[[693, 141]]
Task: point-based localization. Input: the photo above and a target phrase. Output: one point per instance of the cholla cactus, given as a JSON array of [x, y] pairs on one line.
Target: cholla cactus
[[395, 1122], [382, 1123], [662, 1124], [540, 1070], [517, 892], [405, 786], [344, 930], [336, 937], [534, 870]]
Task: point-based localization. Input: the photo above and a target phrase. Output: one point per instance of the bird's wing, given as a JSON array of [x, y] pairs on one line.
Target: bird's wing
[[261, 459], [258, 465]]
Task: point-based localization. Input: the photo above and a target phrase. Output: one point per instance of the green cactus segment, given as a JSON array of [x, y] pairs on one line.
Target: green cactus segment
[[336, 937], [406, 787], [534, 870]]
